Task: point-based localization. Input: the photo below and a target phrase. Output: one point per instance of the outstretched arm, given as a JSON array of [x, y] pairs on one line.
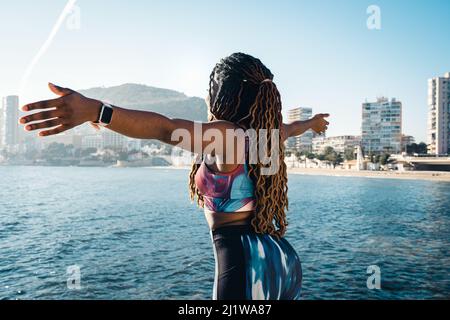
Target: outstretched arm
[[317, 124], [72, 109]]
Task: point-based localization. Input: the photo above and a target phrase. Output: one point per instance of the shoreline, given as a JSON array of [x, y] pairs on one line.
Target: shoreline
[[442, 176]]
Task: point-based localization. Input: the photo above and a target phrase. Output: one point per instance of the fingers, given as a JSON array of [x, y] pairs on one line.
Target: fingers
[[323, 116], [46, 104], [43, 115], [60, 91], [54, 131], [322, 129], [324, 122], [45, 124]]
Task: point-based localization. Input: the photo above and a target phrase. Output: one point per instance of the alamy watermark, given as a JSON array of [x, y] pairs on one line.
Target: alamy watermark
[[374, 19], [74, 278], [374, 279], [73, 21]]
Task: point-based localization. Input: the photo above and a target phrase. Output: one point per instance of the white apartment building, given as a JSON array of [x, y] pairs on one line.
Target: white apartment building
[[92, 141], [303, 142], [381, 129], [438, 136], [338, 143], [133, 144], [113, 140], [108, 140]]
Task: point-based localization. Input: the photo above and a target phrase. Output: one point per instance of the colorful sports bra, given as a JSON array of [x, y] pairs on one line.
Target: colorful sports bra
[[226, 192]]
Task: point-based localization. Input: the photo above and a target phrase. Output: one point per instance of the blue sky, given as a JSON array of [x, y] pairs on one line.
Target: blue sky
[[321, 52]]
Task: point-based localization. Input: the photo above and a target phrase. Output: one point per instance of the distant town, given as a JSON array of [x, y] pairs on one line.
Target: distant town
[[382, 145]]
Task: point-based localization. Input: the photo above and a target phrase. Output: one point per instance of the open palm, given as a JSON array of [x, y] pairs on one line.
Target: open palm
[[71, 109]]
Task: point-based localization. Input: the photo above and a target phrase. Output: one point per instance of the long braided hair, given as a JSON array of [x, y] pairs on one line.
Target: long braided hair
[[238, 93]]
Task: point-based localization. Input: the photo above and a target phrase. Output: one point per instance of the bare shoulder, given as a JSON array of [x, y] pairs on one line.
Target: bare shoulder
[[221, 125]]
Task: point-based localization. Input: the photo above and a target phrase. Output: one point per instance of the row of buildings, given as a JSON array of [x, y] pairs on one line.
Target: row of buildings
[[381, 126], [381, 131]]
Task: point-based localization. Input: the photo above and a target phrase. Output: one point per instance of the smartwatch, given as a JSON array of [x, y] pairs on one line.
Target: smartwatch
[[105, 115]]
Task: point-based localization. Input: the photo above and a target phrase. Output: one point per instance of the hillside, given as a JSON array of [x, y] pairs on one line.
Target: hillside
[[141, 97]]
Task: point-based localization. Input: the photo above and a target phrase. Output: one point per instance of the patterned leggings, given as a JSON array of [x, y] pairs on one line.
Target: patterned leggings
[[252, 266]]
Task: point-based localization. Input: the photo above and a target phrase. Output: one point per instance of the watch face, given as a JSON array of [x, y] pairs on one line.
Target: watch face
[[106, 114]]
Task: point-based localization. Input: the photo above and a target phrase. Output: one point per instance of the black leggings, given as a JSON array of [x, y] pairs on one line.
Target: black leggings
[[252, 266]]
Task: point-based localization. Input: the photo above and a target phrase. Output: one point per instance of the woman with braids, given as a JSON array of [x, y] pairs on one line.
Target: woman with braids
[[245, 203]]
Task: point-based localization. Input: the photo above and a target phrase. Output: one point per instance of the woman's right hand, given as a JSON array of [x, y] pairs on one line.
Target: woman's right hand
[[319, 124], [71, 109]]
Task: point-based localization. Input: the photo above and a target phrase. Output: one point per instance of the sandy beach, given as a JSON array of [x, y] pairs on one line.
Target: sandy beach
[[411, 175]]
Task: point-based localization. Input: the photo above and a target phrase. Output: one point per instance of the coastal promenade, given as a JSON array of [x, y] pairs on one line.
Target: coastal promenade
[[411, 175]]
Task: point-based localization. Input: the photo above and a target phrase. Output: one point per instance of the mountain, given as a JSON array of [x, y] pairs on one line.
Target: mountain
[[170, 103]]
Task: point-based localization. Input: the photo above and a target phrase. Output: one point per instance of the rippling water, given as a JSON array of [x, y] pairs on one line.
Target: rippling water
[[135, 235]]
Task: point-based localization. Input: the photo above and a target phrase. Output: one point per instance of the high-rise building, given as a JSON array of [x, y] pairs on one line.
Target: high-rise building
[[9, 126], [304, 141], [381, 129], [438, 137]]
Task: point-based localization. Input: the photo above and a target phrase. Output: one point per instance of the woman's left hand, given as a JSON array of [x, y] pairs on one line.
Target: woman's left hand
[[71, 109]]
